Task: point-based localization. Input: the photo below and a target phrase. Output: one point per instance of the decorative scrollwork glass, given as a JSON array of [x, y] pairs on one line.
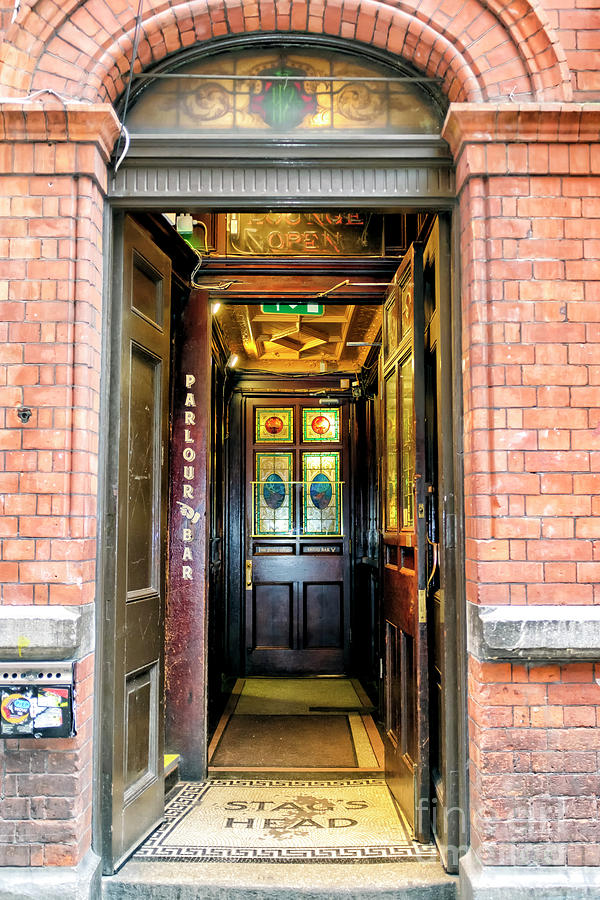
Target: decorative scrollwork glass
[[281, 90]]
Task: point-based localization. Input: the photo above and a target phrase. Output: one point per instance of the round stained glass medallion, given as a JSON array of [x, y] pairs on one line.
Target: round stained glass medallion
[[274, 425], [320, 424], [321, 491], [274, 491]]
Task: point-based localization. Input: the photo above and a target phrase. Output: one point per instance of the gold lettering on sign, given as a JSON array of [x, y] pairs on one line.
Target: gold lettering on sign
[[189, 515]]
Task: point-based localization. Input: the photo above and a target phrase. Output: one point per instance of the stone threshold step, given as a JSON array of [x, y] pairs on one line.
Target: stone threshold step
[[280, 881]]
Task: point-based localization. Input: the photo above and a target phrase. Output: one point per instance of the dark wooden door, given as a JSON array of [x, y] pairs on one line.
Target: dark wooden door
[[404, 545], [134, 638], [296, 573]]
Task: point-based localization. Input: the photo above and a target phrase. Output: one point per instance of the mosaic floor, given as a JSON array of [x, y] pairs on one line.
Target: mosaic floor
[[286, 821]]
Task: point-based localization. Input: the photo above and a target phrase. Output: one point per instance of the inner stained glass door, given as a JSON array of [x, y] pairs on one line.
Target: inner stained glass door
[[321, 507], [296, 565]]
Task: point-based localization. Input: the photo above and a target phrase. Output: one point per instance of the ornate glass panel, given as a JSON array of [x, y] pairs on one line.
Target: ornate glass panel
[[321, 425], [282, 90], [406, 302], [408, 441], [390, 319], [322, 510], [273, 494], [391, 452], [274, 425]]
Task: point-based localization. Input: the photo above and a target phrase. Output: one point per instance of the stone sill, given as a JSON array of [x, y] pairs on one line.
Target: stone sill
[[551, 633], [46, 632]]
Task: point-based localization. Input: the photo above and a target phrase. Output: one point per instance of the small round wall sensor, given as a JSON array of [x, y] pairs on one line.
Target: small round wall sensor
[[24, 413]]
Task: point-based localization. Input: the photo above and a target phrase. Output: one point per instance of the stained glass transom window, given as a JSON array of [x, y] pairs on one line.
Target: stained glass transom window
[[322, 512], [274, 425], [282, 90], [273, 494], [320, 425]]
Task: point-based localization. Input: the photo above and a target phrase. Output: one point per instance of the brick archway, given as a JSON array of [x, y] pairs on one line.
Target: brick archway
[[486, 51]]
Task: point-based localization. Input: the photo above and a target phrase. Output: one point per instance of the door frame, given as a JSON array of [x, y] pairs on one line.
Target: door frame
[[432, 199]]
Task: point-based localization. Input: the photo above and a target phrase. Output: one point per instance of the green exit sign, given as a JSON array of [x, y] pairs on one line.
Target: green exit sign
[[293, 309]]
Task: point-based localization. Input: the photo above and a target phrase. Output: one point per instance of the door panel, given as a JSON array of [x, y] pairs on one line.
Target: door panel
[[134, 714], [297, 594], [323, 615], [405, 554], [273, 616]]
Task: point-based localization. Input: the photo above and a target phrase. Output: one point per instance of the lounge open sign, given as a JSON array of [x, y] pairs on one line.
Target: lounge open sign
[[305, 234]]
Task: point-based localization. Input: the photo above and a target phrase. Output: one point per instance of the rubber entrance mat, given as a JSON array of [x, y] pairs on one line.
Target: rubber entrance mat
[[276, 726], [286, 821], [286, 741]]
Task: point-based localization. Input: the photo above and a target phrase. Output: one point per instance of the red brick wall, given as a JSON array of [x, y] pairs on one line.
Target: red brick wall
[[480, 50], [50, 334], [535, 782], [577, 26], [530, 217]]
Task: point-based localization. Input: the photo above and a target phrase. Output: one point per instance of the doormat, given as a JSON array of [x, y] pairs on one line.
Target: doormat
[[285, 821], [286, 742], [298, 696]]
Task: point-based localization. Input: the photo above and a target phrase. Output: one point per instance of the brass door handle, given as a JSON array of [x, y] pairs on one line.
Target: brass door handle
[[248, 574]]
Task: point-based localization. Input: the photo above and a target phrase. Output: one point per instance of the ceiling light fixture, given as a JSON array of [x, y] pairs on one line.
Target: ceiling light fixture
[[232, 361]]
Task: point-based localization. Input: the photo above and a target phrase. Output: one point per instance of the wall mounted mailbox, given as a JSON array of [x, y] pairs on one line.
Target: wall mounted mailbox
[[36, 700]]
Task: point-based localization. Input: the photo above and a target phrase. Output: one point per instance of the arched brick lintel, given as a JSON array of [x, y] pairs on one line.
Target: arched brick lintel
[[482, 52]]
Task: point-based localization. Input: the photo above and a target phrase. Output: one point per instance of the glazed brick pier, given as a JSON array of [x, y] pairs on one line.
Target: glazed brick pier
[[524, 129]]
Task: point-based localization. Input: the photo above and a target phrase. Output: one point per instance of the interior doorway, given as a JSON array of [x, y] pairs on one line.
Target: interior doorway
[[317, 383]]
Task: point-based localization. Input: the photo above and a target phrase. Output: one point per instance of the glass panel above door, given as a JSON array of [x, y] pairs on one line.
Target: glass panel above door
[[274, 425], [283, 90], [321, 425]]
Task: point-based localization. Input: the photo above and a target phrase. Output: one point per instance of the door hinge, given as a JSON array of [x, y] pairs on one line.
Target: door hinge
[[380, 668]]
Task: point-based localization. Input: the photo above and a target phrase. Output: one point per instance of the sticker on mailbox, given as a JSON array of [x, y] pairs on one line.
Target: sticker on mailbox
[[35, 711]]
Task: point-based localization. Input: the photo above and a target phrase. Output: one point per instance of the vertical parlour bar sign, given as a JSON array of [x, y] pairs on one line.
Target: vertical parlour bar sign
[[185, 490], [188, 470]]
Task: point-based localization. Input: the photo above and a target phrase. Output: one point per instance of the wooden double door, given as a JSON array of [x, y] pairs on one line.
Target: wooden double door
[[296, 573]]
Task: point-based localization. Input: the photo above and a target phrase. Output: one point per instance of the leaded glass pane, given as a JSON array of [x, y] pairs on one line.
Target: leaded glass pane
[[274, 425], [322, 512], [391, 452], [282, 90], [321, 425], [272, 494], [408, 442]]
